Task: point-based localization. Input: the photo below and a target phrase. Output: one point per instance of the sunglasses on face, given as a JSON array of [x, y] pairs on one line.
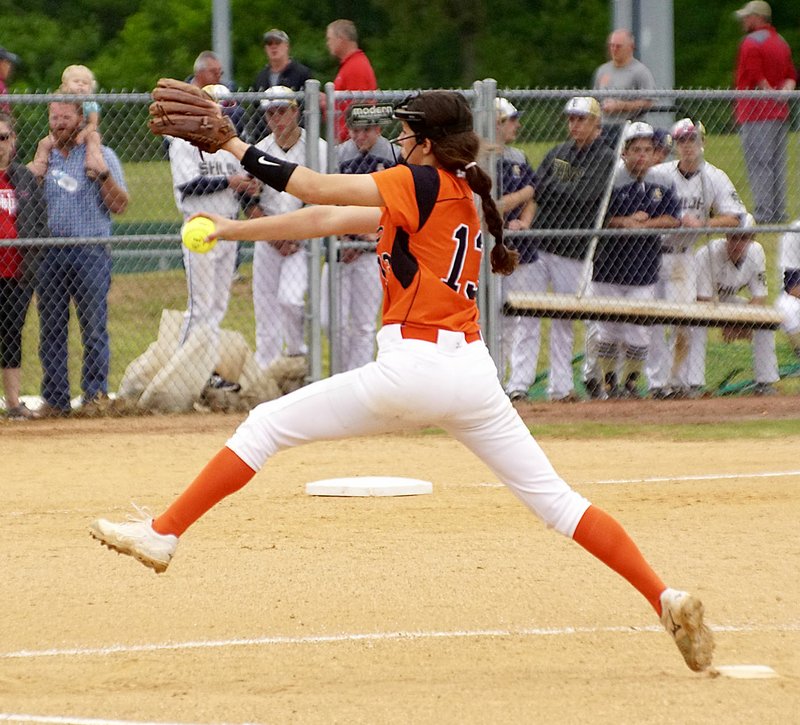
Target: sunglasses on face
[[6, 136]]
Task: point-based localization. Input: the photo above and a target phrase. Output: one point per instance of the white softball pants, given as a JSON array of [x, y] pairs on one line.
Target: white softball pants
[[360, 295], [451, 383], [279, 289], [208, 279], [522, 334], [677, 282], [765, 359], [564, 276], [623, 333]]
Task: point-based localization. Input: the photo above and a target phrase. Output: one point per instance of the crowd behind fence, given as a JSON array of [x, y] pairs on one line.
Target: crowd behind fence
[[148, 276]]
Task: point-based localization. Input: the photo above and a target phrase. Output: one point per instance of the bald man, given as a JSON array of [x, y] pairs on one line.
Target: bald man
[[623, 72]]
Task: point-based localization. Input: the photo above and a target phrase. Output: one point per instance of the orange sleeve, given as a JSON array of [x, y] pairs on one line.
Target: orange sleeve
[[396, 186]]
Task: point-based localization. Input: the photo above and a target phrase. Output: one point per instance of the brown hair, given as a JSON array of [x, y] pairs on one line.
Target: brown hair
[[446, 120]]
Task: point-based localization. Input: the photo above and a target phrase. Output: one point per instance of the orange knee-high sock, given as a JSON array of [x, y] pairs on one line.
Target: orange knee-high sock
[[223, 475], [604, 537]]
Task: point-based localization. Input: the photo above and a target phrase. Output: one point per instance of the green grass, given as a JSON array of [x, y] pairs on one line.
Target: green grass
[[750, 429], [150, 189]]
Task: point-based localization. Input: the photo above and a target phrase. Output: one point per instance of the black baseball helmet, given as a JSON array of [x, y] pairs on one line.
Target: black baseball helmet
[[435, 114]]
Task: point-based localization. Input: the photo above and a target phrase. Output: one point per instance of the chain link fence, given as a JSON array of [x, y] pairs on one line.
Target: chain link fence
[[115, 304]]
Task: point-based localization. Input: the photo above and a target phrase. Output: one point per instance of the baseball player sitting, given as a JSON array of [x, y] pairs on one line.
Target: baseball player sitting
[[724, 268], [627, 265], [788, 302]]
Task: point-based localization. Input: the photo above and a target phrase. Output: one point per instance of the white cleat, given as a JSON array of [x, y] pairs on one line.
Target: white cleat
[[682, 617], [138, 539]]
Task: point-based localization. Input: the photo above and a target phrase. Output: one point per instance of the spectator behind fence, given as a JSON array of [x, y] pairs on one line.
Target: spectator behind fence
[[280, 268], [207, 74], [23, 214], [359, 296], [570, 185], [764, 62], [788, 302], [203, 181], [280, 70], [626, 266], [724, 268], [708, 199], [355, 71], [622, 73], [521, 334], [8, 61], [78, 206]]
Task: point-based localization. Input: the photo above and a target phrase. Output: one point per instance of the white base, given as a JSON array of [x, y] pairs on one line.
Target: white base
[[369, 486], [746, 672]]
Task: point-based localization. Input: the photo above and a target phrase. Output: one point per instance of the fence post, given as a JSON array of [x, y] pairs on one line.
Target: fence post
[[312, 114]]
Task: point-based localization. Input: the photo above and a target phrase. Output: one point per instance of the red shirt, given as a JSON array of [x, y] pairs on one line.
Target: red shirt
[[10, 257], [355, 74], [763, 55], [440, 290]]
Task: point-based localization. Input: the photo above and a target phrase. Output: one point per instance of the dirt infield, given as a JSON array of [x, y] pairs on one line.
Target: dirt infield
[[458, 607]]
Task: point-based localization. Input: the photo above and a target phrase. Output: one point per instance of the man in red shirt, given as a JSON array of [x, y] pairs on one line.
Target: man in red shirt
[[764, 63], [355, 71]]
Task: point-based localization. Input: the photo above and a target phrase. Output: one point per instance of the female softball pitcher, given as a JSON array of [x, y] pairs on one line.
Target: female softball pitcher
[[432, 366]]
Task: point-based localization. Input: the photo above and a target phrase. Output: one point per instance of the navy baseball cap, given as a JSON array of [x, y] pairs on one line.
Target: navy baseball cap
[[9, 56], [662, 139]]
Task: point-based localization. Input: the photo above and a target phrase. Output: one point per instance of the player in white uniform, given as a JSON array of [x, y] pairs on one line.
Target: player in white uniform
[[521, 333], [708, 199], [724, 268], [207, 181], [788, 302], [359, 294], [280, 268]]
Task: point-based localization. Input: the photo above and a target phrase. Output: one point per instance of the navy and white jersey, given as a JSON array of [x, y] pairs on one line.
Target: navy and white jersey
[[634, 258], [352, 161], [513, 173]]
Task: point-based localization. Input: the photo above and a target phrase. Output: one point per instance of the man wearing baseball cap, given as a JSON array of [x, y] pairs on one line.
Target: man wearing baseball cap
[[764, 62], [521, 334], [281, 69], [708, 199], [569, 187], [627, 266], [280, 269]]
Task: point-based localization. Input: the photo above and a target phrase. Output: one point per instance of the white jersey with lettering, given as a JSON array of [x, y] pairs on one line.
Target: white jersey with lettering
[[199, 183], [706, 193], [716, 272]]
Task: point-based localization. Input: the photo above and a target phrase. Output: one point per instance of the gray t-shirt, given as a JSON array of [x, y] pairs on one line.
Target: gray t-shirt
[[634, 76]]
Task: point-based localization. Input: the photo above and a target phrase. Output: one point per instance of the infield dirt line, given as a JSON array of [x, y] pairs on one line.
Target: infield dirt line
[[373, 637]]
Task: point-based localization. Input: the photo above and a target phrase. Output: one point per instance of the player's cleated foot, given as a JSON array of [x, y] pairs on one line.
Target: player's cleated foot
[[517, 395], [682, 617], [138, 539]]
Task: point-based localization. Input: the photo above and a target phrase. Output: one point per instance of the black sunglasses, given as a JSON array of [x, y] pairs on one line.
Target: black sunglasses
[[6, 136]]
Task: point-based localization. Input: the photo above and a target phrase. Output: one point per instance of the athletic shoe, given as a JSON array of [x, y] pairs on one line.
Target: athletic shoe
[[682, 617], [137, 538], [21, 412], [595, 389], [571, 397], [45, 410], [217, 382], [517, 395], [764, 389]]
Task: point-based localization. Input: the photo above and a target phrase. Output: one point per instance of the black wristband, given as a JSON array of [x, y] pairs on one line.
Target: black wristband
[[272, 171]]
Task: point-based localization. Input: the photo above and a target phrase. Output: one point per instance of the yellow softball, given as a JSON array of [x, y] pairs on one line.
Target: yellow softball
[[194, 233]]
